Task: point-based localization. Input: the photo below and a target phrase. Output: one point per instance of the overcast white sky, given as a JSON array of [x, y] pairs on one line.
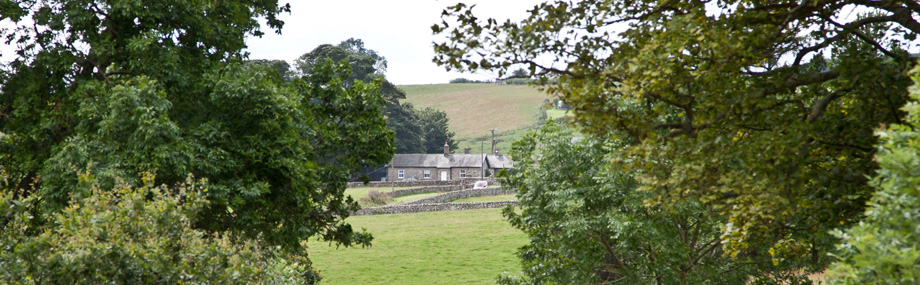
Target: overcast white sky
[[399, 30]]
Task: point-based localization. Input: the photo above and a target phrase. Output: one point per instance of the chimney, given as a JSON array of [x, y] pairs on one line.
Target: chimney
[[498, 152], [446, 149], [466, 150]]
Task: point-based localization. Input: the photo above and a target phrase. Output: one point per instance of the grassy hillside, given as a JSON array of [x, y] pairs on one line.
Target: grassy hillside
[[473, 109], [454, 247]]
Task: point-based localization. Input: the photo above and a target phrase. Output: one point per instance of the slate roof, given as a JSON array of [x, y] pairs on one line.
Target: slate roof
[[500, 161], [448, 161], [436, 160]]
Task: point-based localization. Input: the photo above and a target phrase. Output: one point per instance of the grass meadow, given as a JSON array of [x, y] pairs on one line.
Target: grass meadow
[[475, 108], [452, 247]]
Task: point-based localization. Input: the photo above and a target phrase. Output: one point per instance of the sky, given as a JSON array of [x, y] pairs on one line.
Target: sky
[[398, 30]]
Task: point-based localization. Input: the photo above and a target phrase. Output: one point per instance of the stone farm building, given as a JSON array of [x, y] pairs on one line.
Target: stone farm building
[[445, 166]]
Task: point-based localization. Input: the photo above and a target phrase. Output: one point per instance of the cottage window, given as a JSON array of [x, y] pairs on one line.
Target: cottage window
[[401, 173], [462, 173], [427, 174]]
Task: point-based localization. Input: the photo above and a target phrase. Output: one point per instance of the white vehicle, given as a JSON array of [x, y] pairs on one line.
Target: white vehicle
[[481, 184]]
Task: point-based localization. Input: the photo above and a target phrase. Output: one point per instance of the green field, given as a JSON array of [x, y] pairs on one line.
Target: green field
[[509, 197], [453, 247], [505, 139], [474, 109]]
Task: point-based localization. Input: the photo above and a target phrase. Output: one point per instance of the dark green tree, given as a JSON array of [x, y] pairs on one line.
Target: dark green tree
[[117, 88], [435, 130], [366, 64], [760, 110], [275, 67], [405, 122], [416, 131]]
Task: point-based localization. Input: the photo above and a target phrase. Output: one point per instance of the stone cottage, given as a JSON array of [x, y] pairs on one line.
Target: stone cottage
[[445, 166]]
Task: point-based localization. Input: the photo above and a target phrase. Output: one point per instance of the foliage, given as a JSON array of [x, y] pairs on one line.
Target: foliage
[[365, 64], [435, 131], [120, 88], [885, 247], [275, 67], [133, 235], [376, 198], [413, 132], [404, 121], [464, 80], [759, 110], [587, 224]]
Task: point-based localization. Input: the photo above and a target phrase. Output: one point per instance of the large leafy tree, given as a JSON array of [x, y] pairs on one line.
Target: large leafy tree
[[366, 64], [116, 88], [416, 131], [435, 132], [760, 110], [588, 225]]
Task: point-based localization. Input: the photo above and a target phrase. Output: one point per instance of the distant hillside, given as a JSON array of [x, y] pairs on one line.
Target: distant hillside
[[474, 108]]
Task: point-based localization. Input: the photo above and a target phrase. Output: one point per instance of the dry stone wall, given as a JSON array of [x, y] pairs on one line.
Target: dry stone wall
[[432, 207], [423, 190], [461, 194], [468, 182]]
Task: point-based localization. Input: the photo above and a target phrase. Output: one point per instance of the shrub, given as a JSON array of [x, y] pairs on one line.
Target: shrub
[[136, 236], [376, 198], [885, 247]]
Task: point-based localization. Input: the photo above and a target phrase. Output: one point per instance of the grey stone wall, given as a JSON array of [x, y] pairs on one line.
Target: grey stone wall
[[468, 181], [417, 208], [422, 190], [461, 194]]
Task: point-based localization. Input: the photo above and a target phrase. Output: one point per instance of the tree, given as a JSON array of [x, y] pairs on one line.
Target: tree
[[276, 67], [133, 235], [884, 247], [356, 46], [435, 131], [404, 121], [121, 88], [366, 64], [587, 224], [520, 73], [416, 131], [760, 110]]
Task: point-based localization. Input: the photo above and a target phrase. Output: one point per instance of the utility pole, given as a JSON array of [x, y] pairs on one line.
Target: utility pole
[[482, 159], [493, 141]]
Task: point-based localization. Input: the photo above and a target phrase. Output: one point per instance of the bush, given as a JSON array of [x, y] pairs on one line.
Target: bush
[[133, 235], [885, 247], [376, 198]]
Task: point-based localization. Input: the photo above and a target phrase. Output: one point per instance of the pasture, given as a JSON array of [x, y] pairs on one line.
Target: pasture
[[475, 108], [455, 247]]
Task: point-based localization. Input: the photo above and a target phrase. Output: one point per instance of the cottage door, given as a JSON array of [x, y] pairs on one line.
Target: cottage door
[[443, 175]]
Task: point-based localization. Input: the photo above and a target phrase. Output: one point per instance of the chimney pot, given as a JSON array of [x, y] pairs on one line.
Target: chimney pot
[[466, 150], [446, 149]]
